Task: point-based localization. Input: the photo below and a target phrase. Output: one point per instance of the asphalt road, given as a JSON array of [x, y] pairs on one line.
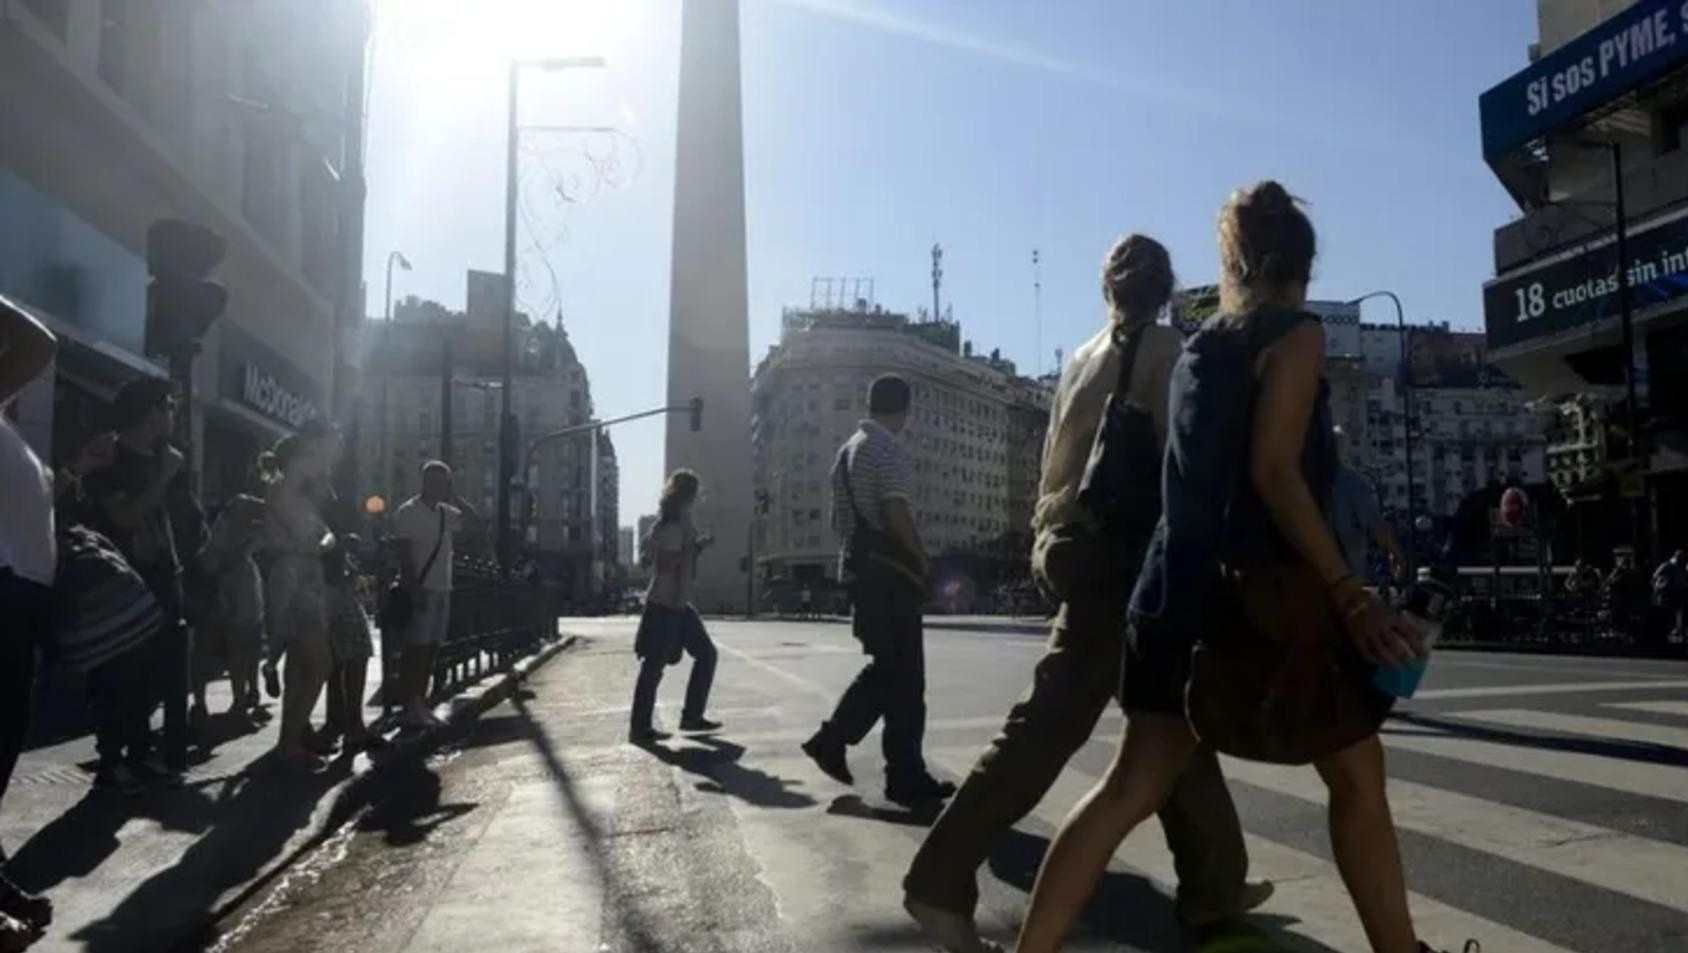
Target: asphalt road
[[1541, 801]]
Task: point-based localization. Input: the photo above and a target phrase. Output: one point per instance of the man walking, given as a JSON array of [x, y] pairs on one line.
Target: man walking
[[426, 525], [885, 566], [1670, 592], [134, 512]]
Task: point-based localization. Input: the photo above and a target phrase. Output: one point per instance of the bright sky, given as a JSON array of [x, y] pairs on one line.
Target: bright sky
[[874, 127]]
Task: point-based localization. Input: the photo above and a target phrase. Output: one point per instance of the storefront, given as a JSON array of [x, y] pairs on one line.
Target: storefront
[[259, 397], [1592, 138]]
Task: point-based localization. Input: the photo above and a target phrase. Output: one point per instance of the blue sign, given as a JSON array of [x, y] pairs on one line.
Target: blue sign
[[1618, 55], [1581, 288]]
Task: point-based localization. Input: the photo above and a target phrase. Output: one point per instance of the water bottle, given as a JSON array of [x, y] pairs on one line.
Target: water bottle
[[1425, 607]]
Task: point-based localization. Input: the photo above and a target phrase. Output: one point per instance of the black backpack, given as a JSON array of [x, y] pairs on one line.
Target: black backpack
[[1121, 486]]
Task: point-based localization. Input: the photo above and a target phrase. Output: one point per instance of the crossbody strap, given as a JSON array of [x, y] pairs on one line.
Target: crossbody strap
[[439, 541], [1127, 341]]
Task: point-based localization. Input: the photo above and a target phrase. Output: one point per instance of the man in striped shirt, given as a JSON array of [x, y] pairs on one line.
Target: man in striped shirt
[[885, 567]]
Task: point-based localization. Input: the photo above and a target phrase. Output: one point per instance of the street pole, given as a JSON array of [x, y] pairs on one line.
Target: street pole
[[1404, 379], [1637, 446], [592, 514], [506, 424], [445, 394]]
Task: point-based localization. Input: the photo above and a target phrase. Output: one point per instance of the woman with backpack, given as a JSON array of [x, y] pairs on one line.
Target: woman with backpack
[[1247, 478]]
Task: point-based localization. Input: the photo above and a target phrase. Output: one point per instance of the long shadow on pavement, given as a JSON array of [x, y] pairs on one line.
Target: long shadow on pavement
[[249, 825], [77, 842], [1625, 750], [414, 809], [719, 761]]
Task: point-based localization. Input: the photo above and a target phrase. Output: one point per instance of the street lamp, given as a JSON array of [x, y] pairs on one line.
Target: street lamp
[[1404, 379], [507, 421], [393, 257]]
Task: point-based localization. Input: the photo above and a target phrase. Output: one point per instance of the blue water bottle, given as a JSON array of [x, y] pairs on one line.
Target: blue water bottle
[[1426, 606]]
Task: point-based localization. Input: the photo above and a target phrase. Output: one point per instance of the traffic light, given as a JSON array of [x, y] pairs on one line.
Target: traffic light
[[182, 300], [697, 414]]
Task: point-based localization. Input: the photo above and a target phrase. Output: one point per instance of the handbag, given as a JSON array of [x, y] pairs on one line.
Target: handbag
[[1121, 486], [871, 555], [398, 607], [104, 607], [1274, 677]]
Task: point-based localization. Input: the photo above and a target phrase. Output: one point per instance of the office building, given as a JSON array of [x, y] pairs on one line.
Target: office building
[[242, 118], [1561, 135]]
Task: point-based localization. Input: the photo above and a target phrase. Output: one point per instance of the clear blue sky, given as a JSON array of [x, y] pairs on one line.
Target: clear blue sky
[[873, 127]]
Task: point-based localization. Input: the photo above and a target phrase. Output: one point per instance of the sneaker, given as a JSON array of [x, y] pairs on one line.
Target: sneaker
[[645, 736], [917, 791], [699, 724], [15, 935], [120, 780], [1252, 896], [36, 912], [830, 759], [272, 681]]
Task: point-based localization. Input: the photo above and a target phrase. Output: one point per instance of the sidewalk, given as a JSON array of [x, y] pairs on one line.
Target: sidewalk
[[143, 873]]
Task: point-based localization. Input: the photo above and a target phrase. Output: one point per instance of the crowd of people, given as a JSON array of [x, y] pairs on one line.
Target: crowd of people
[[110, 570], [1176, 474]]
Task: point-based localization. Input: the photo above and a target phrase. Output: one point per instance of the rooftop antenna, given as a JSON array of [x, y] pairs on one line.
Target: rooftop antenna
[[937, 278], [1037, 311]]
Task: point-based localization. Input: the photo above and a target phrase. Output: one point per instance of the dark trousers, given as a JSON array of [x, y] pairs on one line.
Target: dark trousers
[[172, 684], [686, 627], [1073, 682], [120, 692], [892, 686], [28, 610]]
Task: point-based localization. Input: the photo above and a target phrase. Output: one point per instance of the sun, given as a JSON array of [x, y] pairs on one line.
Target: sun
[[467, 35]]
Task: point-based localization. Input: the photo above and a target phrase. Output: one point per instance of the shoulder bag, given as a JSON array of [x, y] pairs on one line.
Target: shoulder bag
[[398, 608]]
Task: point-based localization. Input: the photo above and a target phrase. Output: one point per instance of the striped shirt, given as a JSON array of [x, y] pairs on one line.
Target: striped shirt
[[879, 470]]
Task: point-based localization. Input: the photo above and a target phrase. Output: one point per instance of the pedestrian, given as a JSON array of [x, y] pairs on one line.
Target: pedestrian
[[426, 525], [348, 623], [1670, 592], [295, 594], [1358, 521], [1248, 462], [886, 568], [234, 630], [669, 623], [129, 505], [28, 564], [1074, 555]]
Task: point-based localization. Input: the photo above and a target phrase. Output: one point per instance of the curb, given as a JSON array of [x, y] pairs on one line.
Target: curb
[[359, 790]]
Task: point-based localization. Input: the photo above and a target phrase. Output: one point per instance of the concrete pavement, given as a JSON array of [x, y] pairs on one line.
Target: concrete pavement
[[1541, 802]]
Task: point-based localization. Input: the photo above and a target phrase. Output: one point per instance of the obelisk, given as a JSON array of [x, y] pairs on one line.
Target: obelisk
[[708, 322]]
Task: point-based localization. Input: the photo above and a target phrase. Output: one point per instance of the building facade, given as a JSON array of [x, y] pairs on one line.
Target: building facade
[[243, 118], [1570, 134], [975, 434], [567, 516]]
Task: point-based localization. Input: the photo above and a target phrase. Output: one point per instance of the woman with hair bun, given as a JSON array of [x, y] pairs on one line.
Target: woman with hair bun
[[1249, 464]]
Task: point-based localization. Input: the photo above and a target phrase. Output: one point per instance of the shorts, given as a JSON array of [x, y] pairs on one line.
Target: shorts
[[1155, 671], [432, 619], [348, 626]]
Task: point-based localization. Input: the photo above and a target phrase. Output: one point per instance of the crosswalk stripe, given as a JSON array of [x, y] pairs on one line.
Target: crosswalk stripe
[[1657, 708], [1607, 729], [1616, 774], [1595, 855], [1309, 888], [1549, 688]]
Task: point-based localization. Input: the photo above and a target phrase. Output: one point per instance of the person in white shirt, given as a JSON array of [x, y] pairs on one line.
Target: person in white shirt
[[28, 558], [426, 525]]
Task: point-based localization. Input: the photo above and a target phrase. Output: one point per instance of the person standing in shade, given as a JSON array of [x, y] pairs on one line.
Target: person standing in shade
[[426, 525], [885, 567], [1670, 592], [1078, 674], [131, 508], [1358, 521], [670, 624], [295, 594]]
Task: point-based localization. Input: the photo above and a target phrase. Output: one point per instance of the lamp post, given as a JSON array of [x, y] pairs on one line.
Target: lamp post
[[507, 419], [393, 257], [1404, 379]]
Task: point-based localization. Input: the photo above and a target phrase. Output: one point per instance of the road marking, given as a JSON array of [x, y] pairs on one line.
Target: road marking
[[1657, 708], [1557, 688], [1607, 729], [1458, 660], [809, 687], [1613, 774], [1309, 889], [1608, 859]]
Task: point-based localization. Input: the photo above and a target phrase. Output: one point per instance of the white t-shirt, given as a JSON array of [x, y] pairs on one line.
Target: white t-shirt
[[418, 524], [27, 543]]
